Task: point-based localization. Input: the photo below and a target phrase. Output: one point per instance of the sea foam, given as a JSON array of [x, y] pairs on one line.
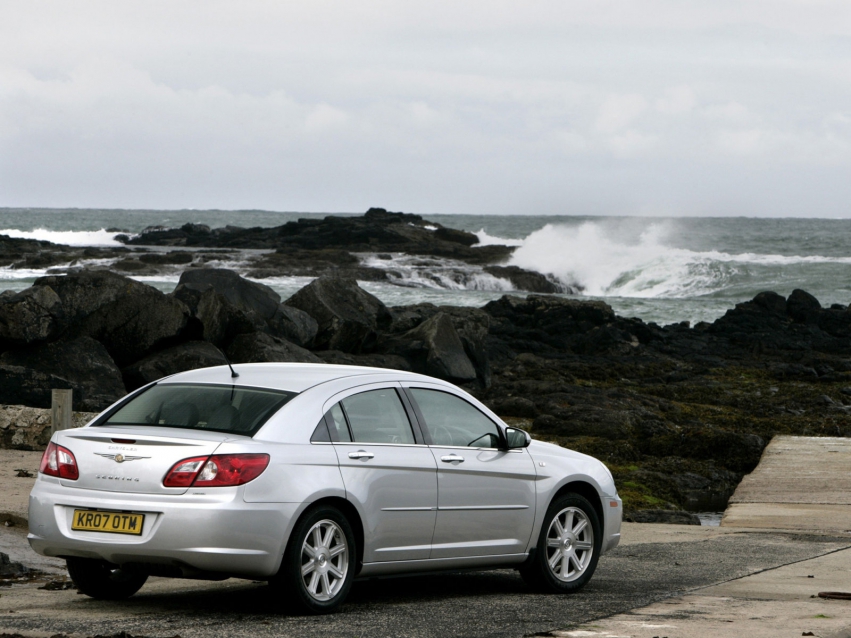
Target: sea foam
[[605, 263], [100, 237]]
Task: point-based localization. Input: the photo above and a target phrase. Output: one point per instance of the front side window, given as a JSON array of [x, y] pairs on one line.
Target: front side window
[[452, 421], [222, 408], [378, 416]]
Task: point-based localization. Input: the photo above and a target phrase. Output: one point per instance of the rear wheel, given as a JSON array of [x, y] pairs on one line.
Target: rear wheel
[[319, 565], [568, 547], [99, 579]]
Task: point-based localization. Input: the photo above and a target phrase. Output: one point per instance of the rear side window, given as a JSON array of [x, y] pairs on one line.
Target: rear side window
[[337, 420], [222, 408], [452, 421], [378, 416]]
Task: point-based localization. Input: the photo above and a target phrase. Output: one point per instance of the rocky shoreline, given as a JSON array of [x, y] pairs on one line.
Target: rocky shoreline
[[679, 413], [360, 247]]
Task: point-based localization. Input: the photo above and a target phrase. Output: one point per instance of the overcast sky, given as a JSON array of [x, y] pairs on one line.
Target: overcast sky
[[573, 107]]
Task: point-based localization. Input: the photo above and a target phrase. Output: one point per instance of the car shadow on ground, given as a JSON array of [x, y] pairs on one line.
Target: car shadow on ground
[[257, 598]]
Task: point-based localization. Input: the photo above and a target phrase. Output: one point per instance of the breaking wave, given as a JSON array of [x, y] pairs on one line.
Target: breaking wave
[[415, 271], [605, 263], [490, 240], [100, 237]]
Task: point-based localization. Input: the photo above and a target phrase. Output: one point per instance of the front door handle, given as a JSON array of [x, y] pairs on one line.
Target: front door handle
[[361, 454], [452, 458]]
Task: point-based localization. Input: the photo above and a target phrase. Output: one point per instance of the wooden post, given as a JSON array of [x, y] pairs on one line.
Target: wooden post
[[60, 410]]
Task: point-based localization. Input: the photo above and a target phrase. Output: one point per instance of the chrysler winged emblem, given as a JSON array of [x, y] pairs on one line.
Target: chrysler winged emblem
[[120, 458]]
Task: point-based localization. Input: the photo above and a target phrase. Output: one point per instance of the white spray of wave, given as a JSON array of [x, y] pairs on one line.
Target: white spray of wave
[[591, 257], [417, 271], [491, 240], [100, 237]]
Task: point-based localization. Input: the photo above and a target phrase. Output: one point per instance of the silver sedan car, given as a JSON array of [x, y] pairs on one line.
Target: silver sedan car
[[310, 476]]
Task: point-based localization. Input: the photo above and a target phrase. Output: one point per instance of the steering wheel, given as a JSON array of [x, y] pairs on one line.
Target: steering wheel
[[442, 436]]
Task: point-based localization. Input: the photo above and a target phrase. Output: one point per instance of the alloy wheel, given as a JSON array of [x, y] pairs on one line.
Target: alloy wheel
[[570, 544], [324, 560]]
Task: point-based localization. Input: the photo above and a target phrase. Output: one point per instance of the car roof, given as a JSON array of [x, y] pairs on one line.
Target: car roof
[[294, 377]]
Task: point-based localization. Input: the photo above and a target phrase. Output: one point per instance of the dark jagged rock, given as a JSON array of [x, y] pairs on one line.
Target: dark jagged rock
[[585, 421], [21, 385], [514, 406], [377, 230], [802, 306], [85, 292], [375, 360], [294, 325], [186, 356], [17, 252], [34, 314], [214, 318], [307, 247], [438, 351], [348, 317], [542, 325], [130, 318], [678, 413], [255, 300], [83, 365], [174, 257], [10, 568], [471, 324], [334, 262], [528, 280], [136, 325], [431, 344], [671, 517], [259, 347]]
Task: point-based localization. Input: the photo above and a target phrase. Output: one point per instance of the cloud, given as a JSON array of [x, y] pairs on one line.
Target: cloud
[[618, 111], [509, 107], [677, 100]]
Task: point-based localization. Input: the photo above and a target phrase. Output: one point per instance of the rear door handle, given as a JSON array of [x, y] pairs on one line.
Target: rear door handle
[[452, 458], [361, 454]]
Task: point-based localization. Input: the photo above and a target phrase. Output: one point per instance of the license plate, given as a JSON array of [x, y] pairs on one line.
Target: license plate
[[111, 522]]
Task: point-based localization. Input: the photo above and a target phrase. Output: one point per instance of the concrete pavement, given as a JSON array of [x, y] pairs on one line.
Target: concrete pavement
[[656, 563], [801, 483], [771, 604], [663, 581]]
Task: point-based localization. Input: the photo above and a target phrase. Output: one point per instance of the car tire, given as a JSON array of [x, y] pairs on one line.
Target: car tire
[[568, 547], [319, 564], [101, 580]]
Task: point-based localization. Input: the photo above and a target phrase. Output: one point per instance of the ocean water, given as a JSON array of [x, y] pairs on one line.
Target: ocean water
[[660, 269]]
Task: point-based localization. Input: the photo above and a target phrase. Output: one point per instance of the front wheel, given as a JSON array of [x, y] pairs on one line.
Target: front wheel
[[568, 547], [319, 565], [101, 580]]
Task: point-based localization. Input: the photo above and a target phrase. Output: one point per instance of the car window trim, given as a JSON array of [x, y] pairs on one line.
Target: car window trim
[[412, 422], [418, 415], [345, 418], [420, 435], [407, 390], [102, 420], [363, 443]]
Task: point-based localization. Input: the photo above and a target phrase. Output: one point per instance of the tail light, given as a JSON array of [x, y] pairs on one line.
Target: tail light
[[60, 462], [218, 470]]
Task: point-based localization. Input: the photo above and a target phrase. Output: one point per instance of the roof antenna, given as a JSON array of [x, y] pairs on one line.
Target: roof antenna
[[233, 373]]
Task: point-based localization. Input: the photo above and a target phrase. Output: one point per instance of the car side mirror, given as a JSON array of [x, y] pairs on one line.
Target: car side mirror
[[517, 438]]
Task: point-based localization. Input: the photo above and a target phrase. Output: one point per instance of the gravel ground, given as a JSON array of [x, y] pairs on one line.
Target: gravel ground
[[493, 603]]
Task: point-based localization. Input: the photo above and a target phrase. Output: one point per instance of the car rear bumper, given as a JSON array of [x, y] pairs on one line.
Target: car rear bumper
[[215, 532]]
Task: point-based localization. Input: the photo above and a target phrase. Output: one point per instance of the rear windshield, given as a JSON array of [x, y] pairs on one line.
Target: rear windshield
[[222, 408]]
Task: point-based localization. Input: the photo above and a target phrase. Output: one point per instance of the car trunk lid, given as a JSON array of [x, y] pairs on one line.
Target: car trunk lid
[[121, 459]]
